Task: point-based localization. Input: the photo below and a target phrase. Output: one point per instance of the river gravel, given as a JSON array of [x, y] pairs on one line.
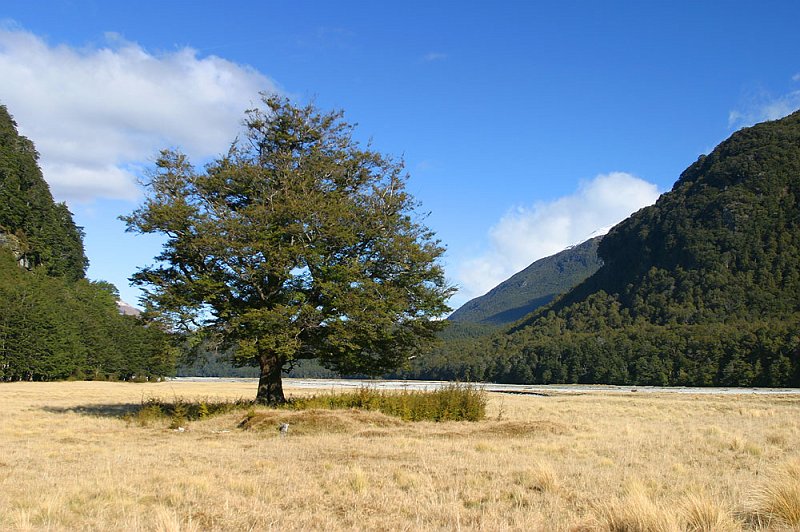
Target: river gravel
[[531, 389]]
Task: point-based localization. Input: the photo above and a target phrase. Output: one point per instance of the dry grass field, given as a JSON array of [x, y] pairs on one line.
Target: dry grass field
[[620, 462]]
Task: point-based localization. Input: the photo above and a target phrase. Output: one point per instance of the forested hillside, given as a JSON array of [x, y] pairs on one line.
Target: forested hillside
[[54, 323], [40, 231], [702, 288]]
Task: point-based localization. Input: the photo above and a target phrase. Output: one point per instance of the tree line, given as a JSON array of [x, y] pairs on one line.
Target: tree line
[[55, 323]]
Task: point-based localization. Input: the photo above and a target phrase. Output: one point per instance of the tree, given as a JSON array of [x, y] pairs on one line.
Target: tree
[[44, 232], [296, 244]]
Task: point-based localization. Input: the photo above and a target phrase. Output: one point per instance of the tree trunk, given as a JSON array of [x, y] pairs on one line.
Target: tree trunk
[[270, 386]]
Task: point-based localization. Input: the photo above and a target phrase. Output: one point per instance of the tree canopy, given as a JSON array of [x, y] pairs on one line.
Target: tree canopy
[[298, 243]]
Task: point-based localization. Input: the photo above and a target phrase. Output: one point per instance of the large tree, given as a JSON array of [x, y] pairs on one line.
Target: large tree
[[298, 243]]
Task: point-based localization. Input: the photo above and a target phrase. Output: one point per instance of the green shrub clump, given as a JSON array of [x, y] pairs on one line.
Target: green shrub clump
[[181, 411], [453, 402]]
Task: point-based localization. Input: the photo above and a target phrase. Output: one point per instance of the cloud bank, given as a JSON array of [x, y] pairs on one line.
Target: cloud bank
[[526, 234], [98, 114]]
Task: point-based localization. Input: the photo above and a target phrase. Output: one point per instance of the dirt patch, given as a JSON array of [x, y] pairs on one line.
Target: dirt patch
[[317, 421], [517, 429], [371, 424]]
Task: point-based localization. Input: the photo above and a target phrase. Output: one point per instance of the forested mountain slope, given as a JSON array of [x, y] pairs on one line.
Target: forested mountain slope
[[54, 323], [533, 287], [702, 288], [40, 231]]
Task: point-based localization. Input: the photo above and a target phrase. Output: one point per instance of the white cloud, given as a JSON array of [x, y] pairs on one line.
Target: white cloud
[[763, 106], [771, 109], [526, 234], [94, 112]]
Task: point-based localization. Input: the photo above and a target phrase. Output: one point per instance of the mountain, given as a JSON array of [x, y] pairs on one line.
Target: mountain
[[724, 244], [126, 309], [702, 288], [533, 287], [55, 323], [38, 230]]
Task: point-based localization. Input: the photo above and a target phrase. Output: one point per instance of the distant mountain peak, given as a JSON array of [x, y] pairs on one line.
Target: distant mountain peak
[[127, 309], [535, 286]]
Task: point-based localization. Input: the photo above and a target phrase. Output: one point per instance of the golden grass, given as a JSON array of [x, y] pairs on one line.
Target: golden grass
[[623, 462], [777, 500]]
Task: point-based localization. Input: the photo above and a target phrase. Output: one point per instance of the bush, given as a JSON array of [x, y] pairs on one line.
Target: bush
[[454, 402], [181, 411]]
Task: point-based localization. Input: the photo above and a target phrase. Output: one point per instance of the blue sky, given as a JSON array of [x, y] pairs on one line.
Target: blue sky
[[525, 126]]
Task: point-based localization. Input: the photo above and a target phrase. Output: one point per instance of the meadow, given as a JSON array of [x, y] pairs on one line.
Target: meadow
[[72, 458]]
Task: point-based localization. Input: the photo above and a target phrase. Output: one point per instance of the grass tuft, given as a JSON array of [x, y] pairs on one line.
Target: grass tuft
[[454, 402], [541, 477], [637, 512], [777, 501], [703, 514], [180, 411]]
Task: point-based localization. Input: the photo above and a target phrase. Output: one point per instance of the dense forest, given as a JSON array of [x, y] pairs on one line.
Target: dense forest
[[54, 323], [702, 288]]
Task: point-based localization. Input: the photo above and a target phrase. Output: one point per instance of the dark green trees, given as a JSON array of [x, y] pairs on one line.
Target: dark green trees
[[702, 288], [297, 244], [42, 231], [55, 324], [52, 328]]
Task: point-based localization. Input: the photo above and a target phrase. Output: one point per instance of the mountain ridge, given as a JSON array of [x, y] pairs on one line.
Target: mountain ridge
[[700, 289], [533, 287]]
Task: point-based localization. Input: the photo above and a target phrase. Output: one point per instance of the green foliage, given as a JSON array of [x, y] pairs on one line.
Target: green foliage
[[454, 402], [297, 244], [207, 359], [180, 411], [700, 289], [179, 415], [51, 328], [44, 232], [55, 324]]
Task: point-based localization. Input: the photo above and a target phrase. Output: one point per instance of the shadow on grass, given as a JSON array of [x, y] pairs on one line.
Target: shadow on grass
[[99, 410]]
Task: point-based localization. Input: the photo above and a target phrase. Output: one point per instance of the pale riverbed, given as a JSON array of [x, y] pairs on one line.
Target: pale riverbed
[[531, 389]]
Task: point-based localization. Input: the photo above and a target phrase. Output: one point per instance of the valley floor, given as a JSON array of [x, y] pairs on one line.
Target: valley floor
[[598, 461]]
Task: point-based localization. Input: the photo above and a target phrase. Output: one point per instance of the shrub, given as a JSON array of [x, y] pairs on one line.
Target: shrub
[[181, 411], [453, 402]]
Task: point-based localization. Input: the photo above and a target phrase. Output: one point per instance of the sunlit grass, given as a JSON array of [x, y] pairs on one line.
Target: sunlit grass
[[454, 402], [72, 457]]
